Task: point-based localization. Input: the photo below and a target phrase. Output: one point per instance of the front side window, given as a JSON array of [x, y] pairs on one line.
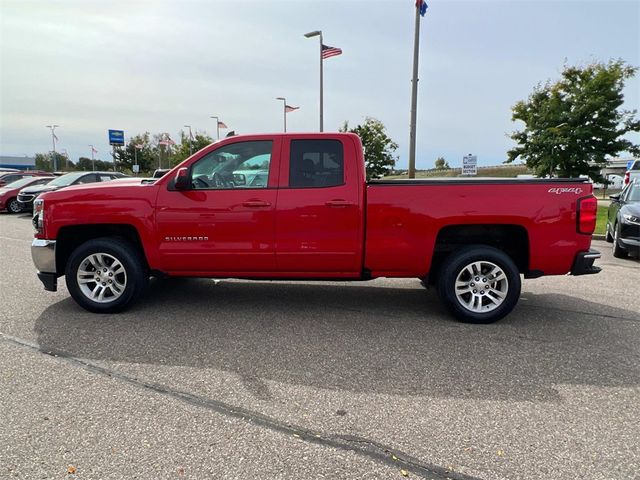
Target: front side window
[[239, 165], [316, 163], [91, 178]]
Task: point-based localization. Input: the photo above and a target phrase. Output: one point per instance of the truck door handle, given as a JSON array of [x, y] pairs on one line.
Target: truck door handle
[[256, 204], [337, 203]]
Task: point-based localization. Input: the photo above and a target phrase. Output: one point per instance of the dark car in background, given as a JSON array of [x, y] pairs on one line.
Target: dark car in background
[[623, 221], [9, 193], [29, 194], [8, 177]]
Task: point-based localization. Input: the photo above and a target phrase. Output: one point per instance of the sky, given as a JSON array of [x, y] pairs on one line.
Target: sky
[[156, 66]]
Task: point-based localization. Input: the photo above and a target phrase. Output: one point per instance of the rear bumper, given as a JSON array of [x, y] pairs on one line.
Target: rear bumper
[[583, 263], [43, 253]]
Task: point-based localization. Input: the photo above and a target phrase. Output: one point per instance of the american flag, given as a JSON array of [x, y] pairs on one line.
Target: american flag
[[139, 146], [222, 124], [289, 109], [328, 52], [93, 150], [422, 6]]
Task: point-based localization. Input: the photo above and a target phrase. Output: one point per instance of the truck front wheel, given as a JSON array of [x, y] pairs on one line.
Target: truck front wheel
[[105, 275], [479, 284]]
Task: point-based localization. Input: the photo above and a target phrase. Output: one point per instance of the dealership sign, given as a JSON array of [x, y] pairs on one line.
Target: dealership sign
[[116, 137]]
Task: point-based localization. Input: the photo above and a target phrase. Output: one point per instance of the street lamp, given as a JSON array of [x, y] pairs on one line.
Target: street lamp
[[284, 110], [136, 147], [218, 125], [54, 139], [65, 154], [190, 136], [93, 161], [318, 33]]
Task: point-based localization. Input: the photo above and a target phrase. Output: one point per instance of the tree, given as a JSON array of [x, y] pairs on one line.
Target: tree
[[378, 147], [86, 164], [138, 149], [442, 164], [573, 124], [43, 162], [198, 142]]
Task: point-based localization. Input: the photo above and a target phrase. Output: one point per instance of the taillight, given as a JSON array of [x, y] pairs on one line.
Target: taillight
[[627, 177], [587, 210]]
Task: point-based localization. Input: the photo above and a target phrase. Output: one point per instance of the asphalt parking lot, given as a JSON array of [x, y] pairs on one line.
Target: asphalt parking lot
[[236, 379]]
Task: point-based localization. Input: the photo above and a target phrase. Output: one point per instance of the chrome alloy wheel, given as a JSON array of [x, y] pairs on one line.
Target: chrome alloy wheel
[[481, 287], [101, 277]]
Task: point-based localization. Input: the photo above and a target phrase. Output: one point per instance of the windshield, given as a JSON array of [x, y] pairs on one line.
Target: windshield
[[66, 180], [634, 192], [21, 183]]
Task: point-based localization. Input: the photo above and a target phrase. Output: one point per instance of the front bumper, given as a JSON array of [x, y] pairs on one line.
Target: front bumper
[[26, 201], [583, 264], [43, 253]]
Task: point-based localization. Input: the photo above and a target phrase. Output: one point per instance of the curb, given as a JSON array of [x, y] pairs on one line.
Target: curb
[[596, 236]]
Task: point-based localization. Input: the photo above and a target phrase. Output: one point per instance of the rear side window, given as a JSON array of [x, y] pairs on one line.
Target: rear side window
[[316, 163]]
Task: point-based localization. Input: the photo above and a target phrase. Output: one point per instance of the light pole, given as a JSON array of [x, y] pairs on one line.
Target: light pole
[[65, 154], [190, 137], [93, 161], [284, 110], [136, 147], [318, 33], [217, 127], [555, 130], [53, 140]]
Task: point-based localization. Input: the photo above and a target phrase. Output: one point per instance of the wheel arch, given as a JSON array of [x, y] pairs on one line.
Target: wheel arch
[[72, 236], [512, 239]]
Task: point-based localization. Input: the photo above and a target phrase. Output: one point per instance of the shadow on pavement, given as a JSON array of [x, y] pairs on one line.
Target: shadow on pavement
[[360, 338]]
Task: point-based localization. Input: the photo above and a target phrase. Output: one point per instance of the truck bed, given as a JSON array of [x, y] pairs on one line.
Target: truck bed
[[408, 220]]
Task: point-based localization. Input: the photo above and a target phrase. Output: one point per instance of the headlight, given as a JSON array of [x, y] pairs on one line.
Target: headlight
[[628, 218], [38, 215]]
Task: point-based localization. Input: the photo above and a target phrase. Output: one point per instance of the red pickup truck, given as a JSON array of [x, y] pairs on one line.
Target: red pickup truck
[[298, 206]]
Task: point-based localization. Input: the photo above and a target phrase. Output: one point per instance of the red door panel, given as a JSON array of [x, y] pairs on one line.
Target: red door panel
[[319, 228], [230, 229]]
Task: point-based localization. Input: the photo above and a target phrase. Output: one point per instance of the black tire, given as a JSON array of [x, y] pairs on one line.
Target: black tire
[[455, 265], [618, 251], [13, 206], [135, 275], [607, 236]]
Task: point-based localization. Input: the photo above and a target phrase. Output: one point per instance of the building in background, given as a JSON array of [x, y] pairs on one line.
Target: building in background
[[21, 163]]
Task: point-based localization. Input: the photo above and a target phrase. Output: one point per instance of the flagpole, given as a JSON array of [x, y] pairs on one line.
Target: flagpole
[[53, 141], [321, 88], [217, 127], [318, 33], [190, 135], [284, 111], [93, 162], [414, 96]]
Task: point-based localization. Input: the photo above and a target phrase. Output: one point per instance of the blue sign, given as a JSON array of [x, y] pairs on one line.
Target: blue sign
[[116, 137]]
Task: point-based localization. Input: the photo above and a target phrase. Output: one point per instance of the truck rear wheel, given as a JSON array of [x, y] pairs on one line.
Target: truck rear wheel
[[479, 284], [105, 275]]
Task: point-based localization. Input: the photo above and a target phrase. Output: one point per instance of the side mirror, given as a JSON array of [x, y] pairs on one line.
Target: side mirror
[[239, 179], [615, 198], [183, 180]]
